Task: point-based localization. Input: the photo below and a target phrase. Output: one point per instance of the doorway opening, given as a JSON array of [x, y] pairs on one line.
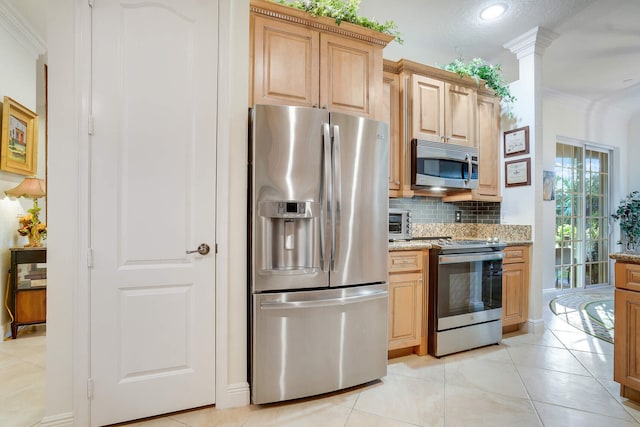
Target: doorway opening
[[582, 215]]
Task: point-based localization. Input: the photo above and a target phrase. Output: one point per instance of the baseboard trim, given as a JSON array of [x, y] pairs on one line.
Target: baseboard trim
[[534, 326], [237, 395], [60, 420]]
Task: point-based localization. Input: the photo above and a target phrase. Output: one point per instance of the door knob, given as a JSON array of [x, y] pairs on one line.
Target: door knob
[[203, 249]]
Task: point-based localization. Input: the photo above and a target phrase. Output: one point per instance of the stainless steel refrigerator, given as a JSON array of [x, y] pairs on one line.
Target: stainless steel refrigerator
[[318, 239]]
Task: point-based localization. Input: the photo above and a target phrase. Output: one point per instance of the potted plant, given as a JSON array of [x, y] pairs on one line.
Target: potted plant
[[343, 10], [628, 213], [479, 69]]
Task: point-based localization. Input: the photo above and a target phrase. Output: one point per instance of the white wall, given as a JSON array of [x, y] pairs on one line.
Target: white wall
[[633, 182], [18, 80]]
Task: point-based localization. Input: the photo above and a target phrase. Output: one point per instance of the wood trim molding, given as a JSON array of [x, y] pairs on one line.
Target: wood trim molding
[[411, 67], [297, 16]]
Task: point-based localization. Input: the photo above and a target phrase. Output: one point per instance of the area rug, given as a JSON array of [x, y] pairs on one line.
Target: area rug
[[590, 312]]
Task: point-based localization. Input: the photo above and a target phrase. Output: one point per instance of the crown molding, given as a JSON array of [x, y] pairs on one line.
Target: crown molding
[[584, 105], [12, 21], [536, 40]]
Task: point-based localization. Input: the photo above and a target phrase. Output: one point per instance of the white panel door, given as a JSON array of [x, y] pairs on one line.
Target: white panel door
[[152, 199]]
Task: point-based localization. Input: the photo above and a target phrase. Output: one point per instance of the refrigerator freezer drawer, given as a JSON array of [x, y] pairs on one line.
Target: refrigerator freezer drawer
[[313, 342]]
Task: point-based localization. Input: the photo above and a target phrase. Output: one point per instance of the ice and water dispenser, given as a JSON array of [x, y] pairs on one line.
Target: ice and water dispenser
[[287, 234]]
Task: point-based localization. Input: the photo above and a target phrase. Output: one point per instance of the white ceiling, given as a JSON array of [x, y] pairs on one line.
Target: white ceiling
[[595, 57]]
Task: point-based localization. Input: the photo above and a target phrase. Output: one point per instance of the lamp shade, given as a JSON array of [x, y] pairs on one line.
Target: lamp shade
[[30, 187]]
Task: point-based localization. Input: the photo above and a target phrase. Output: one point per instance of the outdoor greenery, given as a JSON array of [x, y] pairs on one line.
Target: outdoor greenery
[[344, 10], [478, 69], [628, 213]]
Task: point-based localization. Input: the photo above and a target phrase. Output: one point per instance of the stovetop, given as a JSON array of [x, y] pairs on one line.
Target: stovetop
[[449, 245]]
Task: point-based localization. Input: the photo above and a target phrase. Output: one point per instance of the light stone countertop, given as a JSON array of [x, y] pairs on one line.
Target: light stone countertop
[[629, 258]]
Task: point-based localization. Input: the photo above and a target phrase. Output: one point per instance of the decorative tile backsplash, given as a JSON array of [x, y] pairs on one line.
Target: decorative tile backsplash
[[429, 210]]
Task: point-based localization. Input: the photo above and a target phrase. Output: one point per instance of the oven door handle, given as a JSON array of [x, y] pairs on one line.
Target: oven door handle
[[461, 258]]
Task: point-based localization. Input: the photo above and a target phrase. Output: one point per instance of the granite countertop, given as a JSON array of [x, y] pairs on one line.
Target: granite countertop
[[407, 245], [630, 258]]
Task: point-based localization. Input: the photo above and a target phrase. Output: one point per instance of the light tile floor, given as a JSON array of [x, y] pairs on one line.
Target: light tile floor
[[560, 377]]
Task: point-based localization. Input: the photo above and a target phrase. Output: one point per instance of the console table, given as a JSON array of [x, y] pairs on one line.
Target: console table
[[27, 301]]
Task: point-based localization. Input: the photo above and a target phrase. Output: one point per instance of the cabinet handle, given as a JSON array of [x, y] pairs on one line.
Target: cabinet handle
[[397, 182], [325, 106], [447, 139], [314, 106], [442, 137]]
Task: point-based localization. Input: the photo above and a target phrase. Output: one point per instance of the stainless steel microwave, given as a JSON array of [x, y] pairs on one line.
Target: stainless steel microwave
[[436, 164], [400, 227]]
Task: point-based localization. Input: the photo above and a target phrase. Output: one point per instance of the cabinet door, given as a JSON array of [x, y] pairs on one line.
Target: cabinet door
[[514, 294], [285, 63], [31, 306], [488, 146], [405, 310], [391, 115], [626, 362], [350, 76], [427, 109], [460, 105]]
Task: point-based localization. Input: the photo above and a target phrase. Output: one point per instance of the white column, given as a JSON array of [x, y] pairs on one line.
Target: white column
[[524, 204]]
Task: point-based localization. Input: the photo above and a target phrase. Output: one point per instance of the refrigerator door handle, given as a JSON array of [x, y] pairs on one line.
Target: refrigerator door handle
[[326, 194], [337, 199], [323, 302]]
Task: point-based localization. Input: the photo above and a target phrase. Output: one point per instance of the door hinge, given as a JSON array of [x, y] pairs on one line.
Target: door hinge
[[90, 257], [90, 125], [90, 388]]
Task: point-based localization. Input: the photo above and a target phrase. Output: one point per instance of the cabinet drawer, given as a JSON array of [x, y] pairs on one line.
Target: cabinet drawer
[[513, 254], [628, 276], [405, 261]]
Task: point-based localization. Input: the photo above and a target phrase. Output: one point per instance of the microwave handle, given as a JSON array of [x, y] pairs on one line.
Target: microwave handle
[[469, 166]]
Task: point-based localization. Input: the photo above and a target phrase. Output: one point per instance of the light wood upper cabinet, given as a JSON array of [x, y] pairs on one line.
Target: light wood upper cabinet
[[286, 63], [427, 109], [350, 76], [488, 146], [443, 112], [299, 59], [391, 115]]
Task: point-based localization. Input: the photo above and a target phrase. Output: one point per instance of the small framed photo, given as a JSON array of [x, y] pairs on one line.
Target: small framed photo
[[516, 142], [517, 172], [19, 138], [548, 185]]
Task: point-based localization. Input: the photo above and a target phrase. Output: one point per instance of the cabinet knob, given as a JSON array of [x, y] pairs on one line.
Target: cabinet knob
[[325, 106], [397, 182]]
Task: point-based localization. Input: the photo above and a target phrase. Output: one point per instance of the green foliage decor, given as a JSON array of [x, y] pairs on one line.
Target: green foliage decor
[[478, 69], [344, 10], [628, 213]]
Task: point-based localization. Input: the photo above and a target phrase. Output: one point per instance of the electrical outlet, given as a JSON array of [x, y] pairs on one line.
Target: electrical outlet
[[458, 216]]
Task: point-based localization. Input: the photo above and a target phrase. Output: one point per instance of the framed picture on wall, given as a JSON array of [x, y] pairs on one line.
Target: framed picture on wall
[[516, 142], [517, 172], [19, 138]]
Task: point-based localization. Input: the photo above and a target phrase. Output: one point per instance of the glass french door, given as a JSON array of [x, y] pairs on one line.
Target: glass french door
[[582, 219]]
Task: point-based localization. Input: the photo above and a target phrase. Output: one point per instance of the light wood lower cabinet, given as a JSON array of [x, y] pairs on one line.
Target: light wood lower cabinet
[[407, 302], [626, 361], [515, 285]]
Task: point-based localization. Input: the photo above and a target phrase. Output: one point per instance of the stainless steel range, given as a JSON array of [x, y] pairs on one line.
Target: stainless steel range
[[465, 295]]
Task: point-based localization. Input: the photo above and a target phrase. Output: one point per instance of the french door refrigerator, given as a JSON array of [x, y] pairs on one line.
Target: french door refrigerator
[[318, 239]]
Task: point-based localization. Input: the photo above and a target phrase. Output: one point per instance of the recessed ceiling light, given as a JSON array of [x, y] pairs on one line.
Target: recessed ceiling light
[[493, 11]]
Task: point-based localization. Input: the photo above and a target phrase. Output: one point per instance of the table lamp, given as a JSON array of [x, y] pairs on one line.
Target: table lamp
[[30, 225]]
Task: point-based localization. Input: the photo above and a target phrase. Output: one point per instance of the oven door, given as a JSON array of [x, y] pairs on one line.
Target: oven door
[[469, 289]]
